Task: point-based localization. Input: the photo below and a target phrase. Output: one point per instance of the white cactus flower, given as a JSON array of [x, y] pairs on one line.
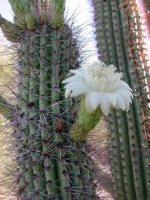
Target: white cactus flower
[[101, 85]]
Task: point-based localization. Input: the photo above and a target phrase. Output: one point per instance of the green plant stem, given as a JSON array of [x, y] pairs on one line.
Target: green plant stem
[[11, 31], [116, 36], [6, 109]]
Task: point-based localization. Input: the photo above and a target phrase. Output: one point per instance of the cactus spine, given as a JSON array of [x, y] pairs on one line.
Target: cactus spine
[[50, 164], [119, 44]]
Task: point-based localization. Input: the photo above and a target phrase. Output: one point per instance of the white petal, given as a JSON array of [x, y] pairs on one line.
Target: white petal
[[127, 100], [67, 93], [126, 96], [88, 79], [103, 84], [111, 98], [77, 88], [120, 102], [124, 85], [125, 91], [78, 72], [93, 98], [130, 94], [114, 83], [72, 78], [105, 105]]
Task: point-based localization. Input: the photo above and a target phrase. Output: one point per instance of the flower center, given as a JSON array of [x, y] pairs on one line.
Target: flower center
[[101, 78]]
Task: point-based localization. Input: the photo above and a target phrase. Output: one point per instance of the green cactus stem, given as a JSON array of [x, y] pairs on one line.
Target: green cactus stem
[[85, 122], [11, 31], [6, 109], [117, 43], [35, 135], [31, 21], [18, 7], [45, 88], [57, 13], [24, 106]]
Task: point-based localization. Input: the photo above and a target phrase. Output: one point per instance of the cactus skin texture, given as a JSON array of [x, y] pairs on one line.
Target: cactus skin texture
[[50, 164], [119, 41]]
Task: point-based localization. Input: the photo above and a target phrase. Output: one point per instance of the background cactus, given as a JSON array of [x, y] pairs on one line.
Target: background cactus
[[50, 164], [120, 42]]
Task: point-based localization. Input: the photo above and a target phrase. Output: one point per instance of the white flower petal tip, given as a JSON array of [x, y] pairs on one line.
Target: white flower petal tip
[[101, 85]]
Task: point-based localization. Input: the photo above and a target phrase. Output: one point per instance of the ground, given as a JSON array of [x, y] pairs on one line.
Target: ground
[[99, 153]]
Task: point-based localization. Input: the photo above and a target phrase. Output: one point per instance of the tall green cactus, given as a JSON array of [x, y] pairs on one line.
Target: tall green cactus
[[118, 42], [50, 164]]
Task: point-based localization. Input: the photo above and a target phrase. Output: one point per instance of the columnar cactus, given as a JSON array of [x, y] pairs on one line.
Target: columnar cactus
[[119, 40], [50, 164]]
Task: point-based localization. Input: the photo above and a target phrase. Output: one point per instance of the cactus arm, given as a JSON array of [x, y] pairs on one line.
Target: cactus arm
[[11, 31], [6, 109], [21, 180], [18, 8]]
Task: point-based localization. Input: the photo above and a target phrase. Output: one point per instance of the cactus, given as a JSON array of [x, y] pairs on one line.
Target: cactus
[[6, 109], [120, 42], [50, 164], [10, 30]]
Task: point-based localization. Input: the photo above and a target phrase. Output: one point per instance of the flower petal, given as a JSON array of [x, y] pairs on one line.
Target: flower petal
[[111, 98], [120, 102], [77, 88], [67, 93], [123, 84], [72, 78], [105, 105], [78, 72], [126, 95], [93, 98]]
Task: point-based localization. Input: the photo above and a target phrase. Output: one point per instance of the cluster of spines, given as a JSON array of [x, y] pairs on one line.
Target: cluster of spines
[[129, 160]]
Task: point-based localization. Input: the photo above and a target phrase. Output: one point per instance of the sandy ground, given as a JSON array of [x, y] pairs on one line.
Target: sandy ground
[[99, 154]]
